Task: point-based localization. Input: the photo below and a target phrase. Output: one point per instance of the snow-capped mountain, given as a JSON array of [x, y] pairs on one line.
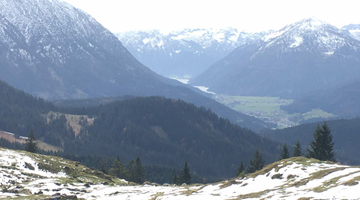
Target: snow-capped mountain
[[354, 29], [318, 35], [52, 50], [185, 52], [307, 55]]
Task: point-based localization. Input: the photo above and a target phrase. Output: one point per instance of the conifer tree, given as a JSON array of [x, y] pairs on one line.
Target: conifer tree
[[139, 172], [131, 171], [104, 165], [175, 179], [185, 174], [241, 169], [31, 145], [256, 164], [297, 150], [322, 148], [284, 152], [117, 168]]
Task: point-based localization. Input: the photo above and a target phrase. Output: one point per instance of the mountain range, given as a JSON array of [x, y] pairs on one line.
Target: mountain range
[[307, 55], [183, 53], [55, 51]]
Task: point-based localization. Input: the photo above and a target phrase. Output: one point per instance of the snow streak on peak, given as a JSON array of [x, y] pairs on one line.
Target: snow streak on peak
[[49, 18], [206, 38], [313, 33]]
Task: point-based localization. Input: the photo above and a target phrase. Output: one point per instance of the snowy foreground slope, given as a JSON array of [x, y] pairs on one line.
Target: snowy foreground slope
[[32, 176]]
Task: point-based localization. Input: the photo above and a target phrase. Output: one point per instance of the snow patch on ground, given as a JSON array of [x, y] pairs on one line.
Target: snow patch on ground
[[288, 179]]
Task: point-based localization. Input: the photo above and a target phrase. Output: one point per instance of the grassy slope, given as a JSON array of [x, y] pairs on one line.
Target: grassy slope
[[293, 178]]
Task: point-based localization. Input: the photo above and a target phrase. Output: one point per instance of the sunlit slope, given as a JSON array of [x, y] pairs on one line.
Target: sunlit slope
[[32, 176]]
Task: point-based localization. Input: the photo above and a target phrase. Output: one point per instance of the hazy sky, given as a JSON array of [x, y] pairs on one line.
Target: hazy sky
[[249, 15]]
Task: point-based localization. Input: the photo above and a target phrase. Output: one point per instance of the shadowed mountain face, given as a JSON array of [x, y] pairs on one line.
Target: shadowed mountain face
[[342, 101], [55, 51], [303, 56]]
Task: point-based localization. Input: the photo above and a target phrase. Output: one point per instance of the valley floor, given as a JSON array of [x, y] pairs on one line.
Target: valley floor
[[269, 109]]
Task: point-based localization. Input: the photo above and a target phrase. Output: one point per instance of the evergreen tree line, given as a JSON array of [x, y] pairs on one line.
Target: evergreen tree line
[[321, 148], [184, 177], [133, 171], [159, 130]]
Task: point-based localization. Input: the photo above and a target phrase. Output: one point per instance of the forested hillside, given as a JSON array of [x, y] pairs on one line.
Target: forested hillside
[[161, 131], [342, 101], [19, 112], [170, 132], [345, 136]]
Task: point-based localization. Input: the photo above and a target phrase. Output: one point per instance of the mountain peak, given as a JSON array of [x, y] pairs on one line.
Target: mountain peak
[[312, 34], [310, 23]]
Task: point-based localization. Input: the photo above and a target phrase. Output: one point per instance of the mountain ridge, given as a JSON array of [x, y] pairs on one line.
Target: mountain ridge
[[55, 51], [185, 52], [307, 55]]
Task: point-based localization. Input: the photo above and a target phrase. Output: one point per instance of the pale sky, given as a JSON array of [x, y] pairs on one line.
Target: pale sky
[[248, 15]]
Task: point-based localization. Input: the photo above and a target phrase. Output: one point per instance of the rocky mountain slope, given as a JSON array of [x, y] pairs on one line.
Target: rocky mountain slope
[[186, 52], [307, 55], [52, 50], [33, 176]]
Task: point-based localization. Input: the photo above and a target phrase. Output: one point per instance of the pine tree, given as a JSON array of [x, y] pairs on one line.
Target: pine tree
[[175, 179], [256, 164], [322, 148], [284, 152], [118, 169], [131, 171], [104, 165], [139, 172], [241, 170], [31, 145], [115, 170], [297, 150], [185, 174]]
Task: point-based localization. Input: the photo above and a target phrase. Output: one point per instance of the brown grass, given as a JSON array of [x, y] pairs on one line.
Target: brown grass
[[42, 145], [73, 120]]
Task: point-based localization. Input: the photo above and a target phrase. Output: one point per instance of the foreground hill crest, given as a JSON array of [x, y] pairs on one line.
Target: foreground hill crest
[[29, 175]]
